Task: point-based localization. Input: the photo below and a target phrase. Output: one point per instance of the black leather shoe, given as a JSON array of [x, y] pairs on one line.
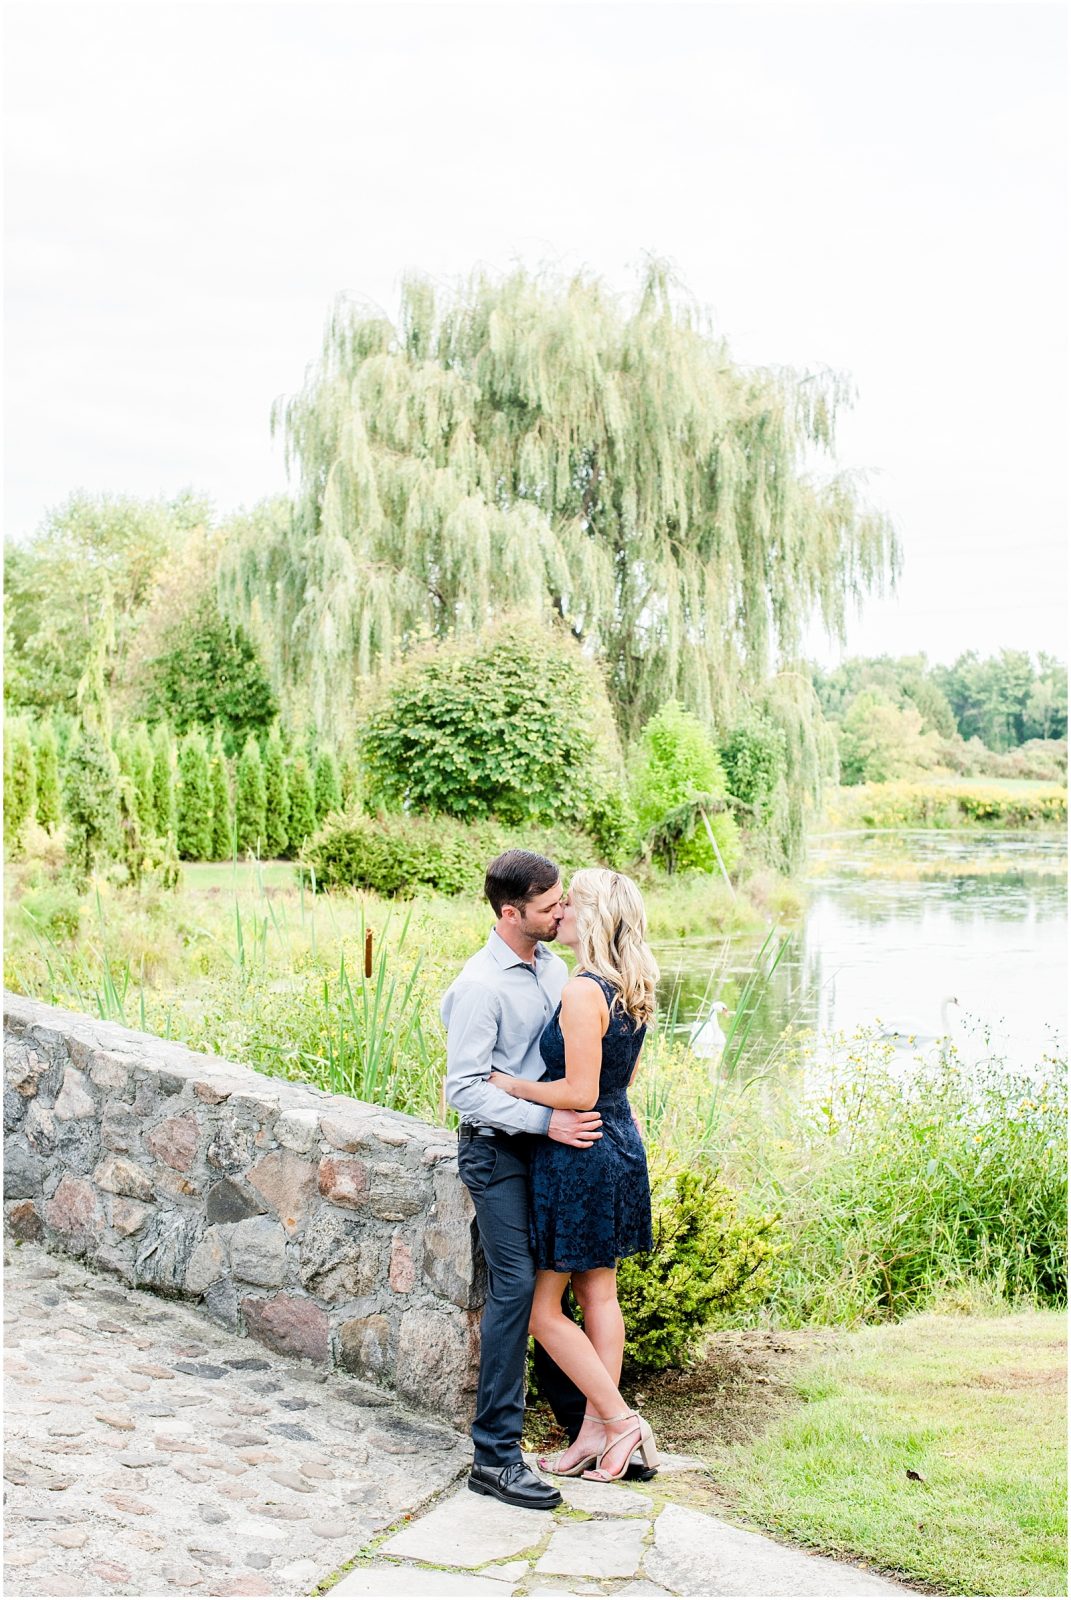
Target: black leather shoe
[[516, 1485], [636, 1472]]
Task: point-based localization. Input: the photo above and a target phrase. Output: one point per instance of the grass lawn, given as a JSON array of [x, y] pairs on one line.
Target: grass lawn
[[975, 1405], [810, 1435]]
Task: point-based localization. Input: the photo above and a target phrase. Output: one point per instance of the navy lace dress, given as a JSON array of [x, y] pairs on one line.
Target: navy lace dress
[[590, 1207]]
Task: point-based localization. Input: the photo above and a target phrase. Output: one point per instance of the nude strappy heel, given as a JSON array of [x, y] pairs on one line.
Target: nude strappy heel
[[645, 1445], [578, 1466]]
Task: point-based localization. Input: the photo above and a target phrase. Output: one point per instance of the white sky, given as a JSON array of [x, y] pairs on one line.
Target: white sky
[[875, 187]]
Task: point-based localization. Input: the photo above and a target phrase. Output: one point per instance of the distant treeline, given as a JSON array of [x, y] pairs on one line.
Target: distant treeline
[[1003, 715]]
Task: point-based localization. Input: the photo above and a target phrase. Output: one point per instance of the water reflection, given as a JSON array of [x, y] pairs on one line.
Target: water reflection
[[981, 947]]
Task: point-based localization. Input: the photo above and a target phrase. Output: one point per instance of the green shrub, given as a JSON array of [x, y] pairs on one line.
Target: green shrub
[[141, 771], [677, 760], [222, 810], [754, 758], [897, 1183], [20, 778], [400, 855], [54, 910], [276, 799], [210, 672], [163, 782], [250, 799], [510, 725], [90, 801], [707, 1263], [302, 822], [194, 799], [326, 788], [48, 779]]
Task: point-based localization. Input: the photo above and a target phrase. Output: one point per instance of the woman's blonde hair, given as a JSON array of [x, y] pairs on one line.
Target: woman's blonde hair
[[611, 926]]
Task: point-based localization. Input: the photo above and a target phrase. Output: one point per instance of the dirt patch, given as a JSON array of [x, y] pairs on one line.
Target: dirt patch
[[1019, 1378], [743, 1381]]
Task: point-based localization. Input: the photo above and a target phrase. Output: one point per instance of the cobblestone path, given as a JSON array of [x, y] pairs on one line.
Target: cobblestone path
[[150, 1453]]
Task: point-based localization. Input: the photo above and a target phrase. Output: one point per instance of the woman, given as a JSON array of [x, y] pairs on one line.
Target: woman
[[591, 1207]]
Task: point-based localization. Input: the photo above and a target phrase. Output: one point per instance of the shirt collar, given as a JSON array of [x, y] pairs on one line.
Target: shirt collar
[[505, 957]]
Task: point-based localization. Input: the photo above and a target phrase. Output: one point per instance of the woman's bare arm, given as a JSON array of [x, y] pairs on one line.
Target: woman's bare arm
[[585, 1017]]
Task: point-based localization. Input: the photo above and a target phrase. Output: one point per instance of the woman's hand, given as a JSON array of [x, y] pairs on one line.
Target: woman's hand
[[505, 1081]]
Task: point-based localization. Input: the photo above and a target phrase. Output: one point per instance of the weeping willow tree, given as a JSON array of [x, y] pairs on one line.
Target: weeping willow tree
[[534, 443]]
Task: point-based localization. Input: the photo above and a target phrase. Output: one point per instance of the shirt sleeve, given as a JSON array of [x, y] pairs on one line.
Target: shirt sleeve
[[471, 1016]]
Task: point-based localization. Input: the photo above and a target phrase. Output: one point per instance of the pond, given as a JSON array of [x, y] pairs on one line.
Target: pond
[[922, 932]]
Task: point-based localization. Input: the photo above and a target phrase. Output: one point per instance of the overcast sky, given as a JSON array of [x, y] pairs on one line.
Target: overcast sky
[[879, 188]]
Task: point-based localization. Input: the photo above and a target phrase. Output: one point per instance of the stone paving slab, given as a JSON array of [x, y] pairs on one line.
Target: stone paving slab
[[468, 1530], [380, 1582], [150, 1452], [695, 1554]]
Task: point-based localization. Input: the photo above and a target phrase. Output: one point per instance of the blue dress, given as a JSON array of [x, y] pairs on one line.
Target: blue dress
[[587, 1208]]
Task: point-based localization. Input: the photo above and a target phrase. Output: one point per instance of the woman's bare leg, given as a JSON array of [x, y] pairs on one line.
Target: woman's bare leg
[[577, 1356], [596, 1295]]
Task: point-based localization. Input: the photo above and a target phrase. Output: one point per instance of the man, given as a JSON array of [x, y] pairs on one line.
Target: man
[[494, 1012]]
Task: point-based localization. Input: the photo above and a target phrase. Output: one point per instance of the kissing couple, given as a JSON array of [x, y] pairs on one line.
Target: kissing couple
[[538, 1068]]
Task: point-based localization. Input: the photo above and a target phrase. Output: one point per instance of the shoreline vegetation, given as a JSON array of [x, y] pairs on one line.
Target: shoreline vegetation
[[989, 803]]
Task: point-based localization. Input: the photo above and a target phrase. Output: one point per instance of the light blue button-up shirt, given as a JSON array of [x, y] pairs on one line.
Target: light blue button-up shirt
[[494, 1012]]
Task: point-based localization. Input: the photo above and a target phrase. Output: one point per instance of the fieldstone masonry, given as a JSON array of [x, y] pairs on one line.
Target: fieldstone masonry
[[322, 1227]]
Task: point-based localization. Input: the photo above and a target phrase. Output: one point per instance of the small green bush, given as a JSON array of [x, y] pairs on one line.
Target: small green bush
[[302, 822], [91, 801], [250, 801], [20, 778], [276, 798], [326, 786], [48, 779], [514, 725], [193, 799], [54, 910], [707, 1262], [400, 855], [676, 761]]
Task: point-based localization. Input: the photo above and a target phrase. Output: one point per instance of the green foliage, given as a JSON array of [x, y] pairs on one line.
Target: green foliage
[[20, 779], [899, 1183], [755, 760], [1002, 701], [222, 809], [707, 1262], [163, 782], [302, 803], [676, 763], [506, 725], [194, 799], [534, 444], [54, 910], [401, 855], [91, 552], [951, 805], [210, 672], [276, 798], [880, 741], [90, 801], [327, 786], [48, 777], [141, 771], [250, 799]]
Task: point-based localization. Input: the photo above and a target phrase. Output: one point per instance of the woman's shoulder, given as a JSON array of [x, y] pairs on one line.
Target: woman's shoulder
[[587, 989]]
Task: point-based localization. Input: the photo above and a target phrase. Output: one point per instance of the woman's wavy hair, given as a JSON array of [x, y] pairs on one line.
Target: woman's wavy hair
[[611, 926]]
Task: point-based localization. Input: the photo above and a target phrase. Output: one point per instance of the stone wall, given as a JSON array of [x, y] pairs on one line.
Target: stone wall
[[320, 1226]]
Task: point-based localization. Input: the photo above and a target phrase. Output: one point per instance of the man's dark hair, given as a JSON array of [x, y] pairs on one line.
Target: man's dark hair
[[517, 876]]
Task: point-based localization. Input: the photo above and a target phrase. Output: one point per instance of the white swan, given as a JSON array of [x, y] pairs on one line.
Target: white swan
[[706, 1037]]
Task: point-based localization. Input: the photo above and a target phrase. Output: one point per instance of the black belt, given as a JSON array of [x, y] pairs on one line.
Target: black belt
[[469, 1130]]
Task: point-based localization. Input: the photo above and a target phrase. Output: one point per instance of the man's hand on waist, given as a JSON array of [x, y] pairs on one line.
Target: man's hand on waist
[[579, 1128]]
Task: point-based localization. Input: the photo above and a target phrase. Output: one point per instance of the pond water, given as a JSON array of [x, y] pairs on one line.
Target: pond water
[[923, 932]]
